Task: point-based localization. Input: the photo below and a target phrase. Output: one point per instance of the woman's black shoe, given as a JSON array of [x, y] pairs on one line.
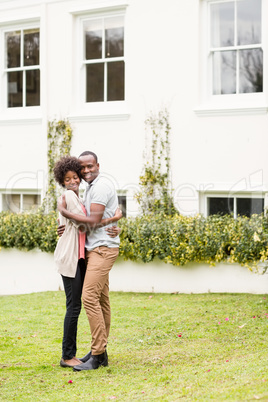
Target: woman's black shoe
[[94, 362]]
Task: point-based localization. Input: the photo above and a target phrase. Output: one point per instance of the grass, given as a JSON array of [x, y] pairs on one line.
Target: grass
[[162, 347]]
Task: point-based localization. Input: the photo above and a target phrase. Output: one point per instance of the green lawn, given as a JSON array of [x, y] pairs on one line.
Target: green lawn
[[162, 347]]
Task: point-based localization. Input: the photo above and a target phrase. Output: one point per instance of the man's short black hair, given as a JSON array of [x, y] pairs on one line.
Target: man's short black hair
[[89, 153]]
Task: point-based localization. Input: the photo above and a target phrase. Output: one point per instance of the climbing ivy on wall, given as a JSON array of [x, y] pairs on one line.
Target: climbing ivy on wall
[[59, 137], [155, 193]]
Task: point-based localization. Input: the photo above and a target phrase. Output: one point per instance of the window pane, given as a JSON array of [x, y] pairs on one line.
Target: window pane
[[14, 80], [251, 71], [249, 206], [220, 206], [13, 49], [95, 82], [93, 39], [11, 202], [248, 22], [122, 204], [116, 79], [31, 47], [114, 37], [224, 72], [30, 201], [222, 24], [33, 88]]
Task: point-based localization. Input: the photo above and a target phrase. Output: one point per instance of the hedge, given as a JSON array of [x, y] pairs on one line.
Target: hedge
[[177, 240]]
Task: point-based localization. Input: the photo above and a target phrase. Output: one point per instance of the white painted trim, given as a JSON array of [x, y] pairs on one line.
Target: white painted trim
[[19, 121], [99, 6], [235, 111], [99, 117], [19, 19]]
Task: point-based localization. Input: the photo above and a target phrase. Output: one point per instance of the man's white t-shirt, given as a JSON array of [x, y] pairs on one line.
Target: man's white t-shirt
[[101, 191]]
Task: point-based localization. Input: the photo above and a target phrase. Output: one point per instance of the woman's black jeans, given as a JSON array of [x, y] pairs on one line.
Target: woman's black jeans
[[73, 290]]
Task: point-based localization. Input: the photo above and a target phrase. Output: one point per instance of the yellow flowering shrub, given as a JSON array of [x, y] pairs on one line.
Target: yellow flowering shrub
[[179, 240]]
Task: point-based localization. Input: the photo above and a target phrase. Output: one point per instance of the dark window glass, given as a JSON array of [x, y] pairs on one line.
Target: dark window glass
[[31, 48], [32, 87], [122, 203], [14, 81], [114, 42], [220, 206], [251, 71], [93, 45], [23, 85], [95, 82], [13, 49], [116, 79], [249, 206]]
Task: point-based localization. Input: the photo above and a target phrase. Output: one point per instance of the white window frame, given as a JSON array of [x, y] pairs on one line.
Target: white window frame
[[234, 196], [228, 104], [106, 110], [21, 193], [22, 112]]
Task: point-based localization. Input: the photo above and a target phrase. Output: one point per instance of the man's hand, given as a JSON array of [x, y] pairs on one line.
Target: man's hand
[[60, 230], [113, 231]]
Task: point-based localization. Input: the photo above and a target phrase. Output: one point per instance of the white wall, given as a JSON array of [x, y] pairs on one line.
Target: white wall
[[34, 271], [164, 68]]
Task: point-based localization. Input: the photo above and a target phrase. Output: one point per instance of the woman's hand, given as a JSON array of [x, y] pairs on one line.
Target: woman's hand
[[61, 204], [113, 231], [118, 214]]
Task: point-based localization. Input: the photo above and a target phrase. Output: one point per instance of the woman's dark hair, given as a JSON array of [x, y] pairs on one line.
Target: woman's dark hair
[[64, 165]]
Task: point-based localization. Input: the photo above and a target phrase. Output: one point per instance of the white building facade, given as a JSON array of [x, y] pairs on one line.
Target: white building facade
[[106, 65]]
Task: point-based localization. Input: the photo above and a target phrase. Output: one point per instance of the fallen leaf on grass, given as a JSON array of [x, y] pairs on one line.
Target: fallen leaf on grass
[[241, 326]]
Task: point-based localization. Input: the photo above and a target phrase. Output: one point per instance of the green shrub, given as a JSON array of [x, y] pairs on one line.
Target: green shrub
[[176, 239], [26, 231]]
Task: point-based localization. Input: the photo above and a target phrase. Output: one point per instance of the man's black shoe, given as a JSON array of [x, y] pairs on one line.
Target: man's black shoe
[[94, 362], [85, 358]]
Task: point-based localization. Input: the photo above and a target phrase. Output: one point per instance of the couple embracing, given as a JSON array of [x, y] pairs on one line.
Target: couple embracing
[[85, 253]]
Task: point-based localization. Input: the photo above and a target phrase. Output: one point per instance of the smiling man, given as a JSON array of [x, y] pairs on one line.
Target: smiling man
[[101, 201]]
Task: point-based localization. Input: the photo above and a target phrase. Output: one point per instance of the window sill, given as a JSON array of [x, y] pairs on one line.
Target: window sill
[[23, 115], [209, 110]]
